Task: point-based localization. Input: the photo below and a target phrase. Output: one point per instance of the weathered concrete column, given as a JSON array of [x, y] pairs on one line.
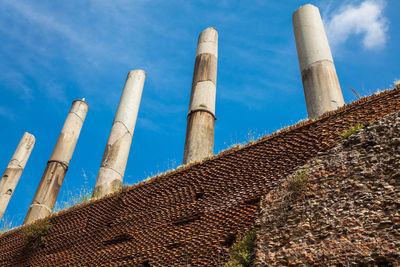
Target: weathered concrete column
[[199, 141], [14, 170], [57, 166], [320, 82], [116, 154]]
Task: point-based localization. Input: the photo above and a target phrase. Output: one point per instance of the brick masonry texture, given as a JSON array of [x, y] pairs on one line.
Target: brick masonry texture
[[344, 210], [191, 215]]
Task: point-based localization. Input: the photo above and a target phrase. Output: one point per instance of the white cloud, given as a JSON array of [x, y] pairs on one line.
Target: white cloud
[[366, 19], [7, 113], [252, 97], [56, 92], [14, 81], [49, 22]]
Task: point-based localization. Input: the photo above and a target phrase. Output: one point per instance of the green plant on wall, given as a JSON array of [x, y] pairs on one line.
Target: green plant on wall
[[34, 234], [242, 252], [352, 130], [297, 184]]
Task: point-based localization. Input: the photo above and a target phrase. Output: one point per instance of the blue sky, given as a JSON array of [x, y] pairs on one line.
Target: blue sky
[[53, 52]]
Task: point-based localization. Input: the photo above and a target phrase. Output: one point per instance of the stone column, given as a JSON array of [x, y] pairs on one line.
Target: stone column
[[199, 142], [57, 166], [112, 168], [320, 82], [14, 170]]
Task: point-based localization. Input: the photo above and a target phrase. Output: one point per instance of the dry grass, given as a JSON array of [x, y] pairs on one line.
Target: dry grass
[[35, 233], [242, 252]]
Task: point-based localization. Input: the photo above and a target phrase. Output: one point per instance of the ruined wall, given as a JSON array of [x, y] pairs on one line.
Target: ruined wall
[[341, 208], [191, 215]]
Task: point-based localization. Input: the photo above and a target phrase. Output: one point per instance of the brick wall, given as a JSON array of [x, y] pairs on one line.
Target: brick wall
[[191, 215]]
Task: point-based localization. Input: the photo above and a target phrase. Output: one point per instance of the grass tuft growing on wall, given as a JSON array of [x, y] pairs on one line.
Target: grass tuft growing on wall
[[35, 233], [79, 196], [297, 184], [242, 252], [5, 225], [352, 131]]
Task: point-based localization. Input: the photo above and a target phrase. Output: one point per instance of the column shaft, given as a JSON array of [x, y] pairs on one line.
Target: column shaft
[[320, 82], [57, 166], [199, 141], [116, 154], [14, 170]]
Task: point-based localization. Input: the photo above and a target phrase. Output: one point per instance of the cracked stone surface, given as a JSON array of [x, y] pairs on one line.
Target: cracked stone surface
[[343, 211]]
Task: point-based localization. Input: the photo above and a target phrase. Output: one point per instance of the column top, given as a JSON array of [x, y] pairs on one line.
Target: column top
[[129, 102], [23, 151], [311, 40], [80, 108], [137, 72], [208, 42], [305, 6]]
